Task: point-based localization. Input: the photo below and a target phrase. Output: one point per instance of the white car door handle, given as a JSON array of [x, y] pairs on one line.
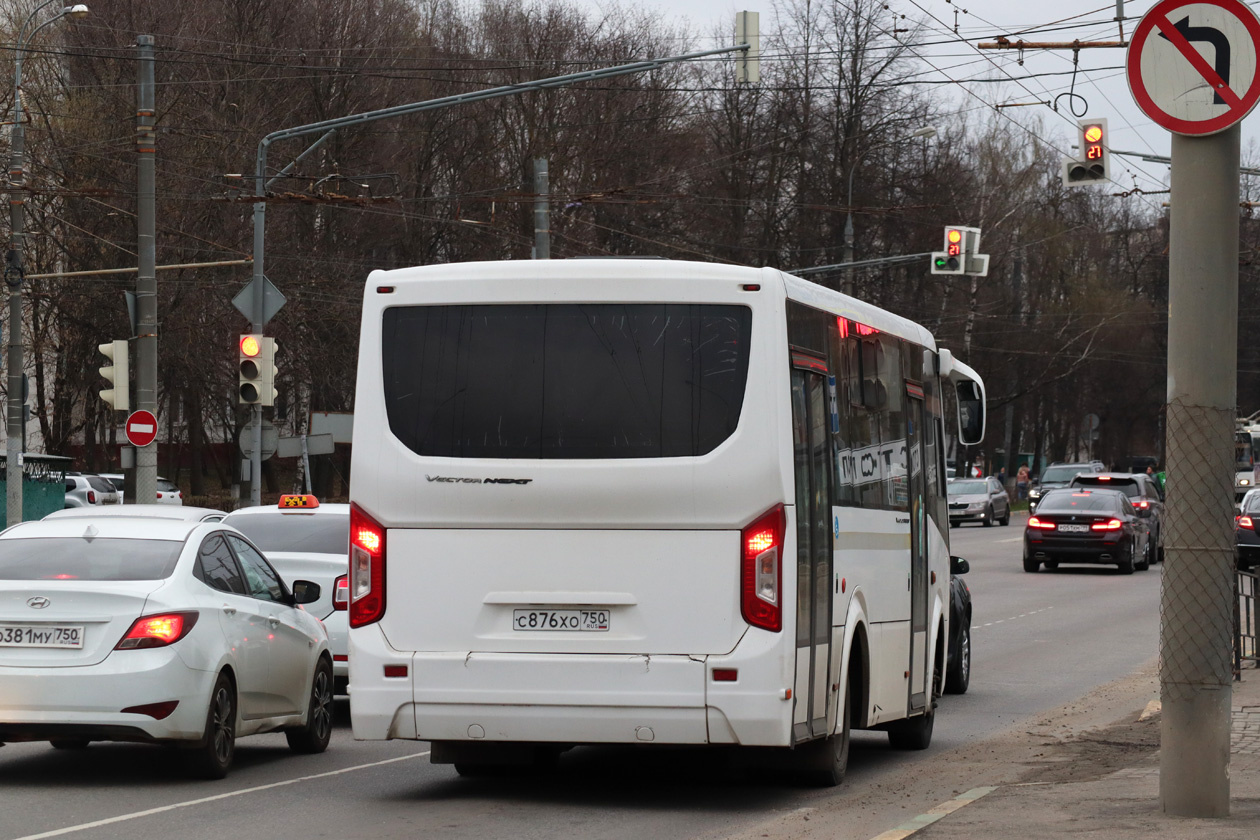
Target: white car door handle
[[227, 610]]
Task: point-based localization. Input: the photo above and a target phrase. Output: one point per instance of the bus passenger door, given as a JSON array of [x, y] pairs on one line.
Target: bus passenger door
[[812, 448], [916, 429]]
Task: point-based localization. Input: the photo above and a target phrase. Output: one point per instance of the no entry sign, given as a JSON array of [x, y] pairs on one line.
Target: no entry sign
[[1192, 64], [141, 428]]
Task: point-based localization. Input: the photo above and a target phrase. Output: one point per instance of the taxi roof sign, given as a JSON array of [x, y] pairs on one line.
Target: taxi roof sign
[[296, 500]]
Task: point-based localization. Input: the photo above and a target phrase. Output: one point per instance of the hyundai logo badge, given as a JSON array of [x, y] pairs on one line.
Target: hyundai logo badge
[[38, 602]]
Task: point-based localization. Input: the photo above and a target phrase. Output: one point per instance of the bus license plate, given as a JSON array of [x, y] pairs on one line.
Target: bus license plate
[[41, 636], [1074, 529], [575, 620]]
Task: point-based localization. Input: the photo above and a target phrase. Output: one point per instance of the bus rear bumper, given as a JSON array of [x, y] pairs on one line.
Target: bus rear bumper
[[555, 698]]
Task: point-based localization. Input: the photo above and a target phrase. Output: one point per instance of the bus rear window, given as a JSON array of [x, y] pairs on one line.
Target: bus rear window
[[550, 381]]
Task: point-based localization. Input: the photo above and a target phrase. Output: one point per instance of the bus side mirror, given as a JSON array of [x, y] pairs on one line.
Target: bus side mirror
[[970, 412]]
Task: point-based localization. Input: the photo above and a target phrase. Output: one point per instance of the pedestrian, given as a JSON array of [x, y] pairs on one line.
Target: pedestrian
[[1021, 481]]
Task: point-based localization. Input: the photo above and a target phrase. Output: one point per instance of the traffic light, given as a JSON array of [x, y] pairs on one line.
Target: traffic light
[[953, 259], [257, 370], [118, 396], [1092, 167]]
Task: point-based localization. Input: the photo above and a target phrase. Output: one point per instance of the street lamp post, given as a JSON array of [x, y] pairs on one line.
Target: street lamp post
[[14, 270], [924, 132]]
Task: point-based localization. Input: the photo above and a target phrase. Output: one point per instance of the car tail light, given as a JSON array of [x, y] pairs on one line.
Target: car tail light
[[151, 631], [1246, 522], [91, 497], [341, 593], [1143, 505], [1109, 525], [1034, 522], [367, 568], [762, 570], [1104, 478]]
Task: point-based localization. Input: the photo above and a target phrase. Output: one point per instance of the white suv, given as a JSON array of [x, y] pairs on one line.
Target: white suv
[[89, 490]]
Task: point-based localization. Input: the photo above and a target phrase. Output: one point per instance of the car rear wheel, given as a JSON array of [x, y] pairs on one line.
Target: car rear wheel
[[212, 756], [1031, 564], [1126, 564], [315, 735], [1145, 562], [1052, 564]]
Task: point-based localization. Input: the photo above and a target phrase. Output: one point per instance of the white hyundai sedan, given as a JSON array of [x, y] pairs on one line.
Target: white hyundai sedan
[[156, 630]]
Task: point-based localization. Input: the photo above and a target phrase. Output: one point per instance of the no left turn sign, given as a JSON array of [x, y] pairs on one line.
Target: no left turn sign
[[1192, 64]]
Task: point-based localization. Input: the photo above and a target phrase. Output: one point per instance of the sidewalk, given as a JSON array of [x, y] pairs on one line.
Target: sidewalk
[[1054, 802]]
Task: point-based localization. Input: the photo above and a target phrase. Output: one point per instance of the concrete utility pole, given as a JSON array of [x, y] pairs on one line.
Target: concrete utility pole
[[1196, 602], [146, 276], [542, 211], [14, 263]]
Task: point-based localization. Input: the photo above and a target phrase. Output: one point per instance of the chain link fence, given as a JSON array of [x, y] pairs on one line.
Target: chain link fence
[[1197, 601]]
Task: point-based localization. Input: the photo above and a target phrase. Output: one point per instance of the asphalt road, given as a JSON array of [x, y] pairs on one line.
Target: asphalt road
[[1039, 641]]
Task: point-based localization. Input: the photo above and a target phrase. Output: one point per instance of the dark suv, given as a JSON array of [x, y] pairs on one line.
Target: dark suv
[[1056, 476], [1143, 492]]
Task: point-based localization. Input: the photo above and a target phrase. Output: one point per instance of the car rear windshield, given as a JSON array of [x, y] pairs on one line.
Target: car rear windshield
[[1062, 473], [1079, 502], [546, 381], [82, 558], [308, 533], [967, 488], [101, 485], [167, 486], [1129, 488]]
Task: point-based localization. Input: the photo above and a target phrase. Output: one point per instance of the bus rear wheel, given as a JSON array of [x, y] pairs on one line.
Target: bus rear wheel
[[826, 760]]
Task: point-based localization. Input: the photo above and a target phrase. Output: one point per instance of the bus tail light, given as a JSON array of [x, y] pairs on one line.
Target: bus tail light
[[762, 570], [367, 568]]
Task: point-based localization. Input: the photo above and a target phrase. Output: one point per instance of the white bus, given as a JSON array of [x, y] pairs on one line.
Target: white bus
[[627, 501]]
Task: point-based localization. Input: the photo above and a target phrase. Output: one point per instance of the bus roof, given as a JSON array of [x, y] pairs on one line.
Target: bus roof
[[795, 288]]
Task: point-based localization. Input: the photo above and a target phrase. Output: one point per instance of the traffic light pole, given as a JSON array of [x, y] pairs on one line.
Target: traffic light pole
[[327, 128], [146, 276]]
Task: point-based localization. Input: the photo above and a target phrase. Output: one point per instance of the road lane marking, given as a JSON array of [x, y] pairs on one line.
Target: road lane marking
[[933, 814], [151, 811], [1013, 618], [1012, 539]]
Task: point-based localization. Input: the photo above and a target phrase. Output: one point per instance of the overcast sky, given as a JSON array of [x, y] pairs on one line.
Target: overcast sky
[[1100, 81]]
